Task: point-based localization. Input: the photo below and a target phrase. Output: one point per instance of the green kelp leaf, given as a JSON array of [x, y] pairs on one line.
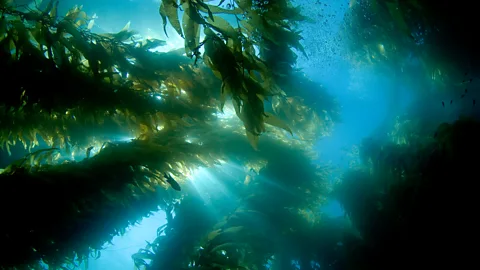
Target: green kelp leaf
[[168, 9], [191, 29], [276, 122]]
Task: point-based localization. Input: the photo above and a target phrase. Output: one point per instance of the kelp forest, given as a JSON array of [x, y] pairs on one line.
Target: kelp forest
[[233, 103]]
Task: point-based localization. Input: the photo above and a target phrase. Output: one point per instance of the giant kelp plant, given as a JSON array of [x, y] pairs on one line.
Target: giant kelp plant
[[411, 196], [70, 89], [274, 215], [425, 56], [396, 33], [412, 202]]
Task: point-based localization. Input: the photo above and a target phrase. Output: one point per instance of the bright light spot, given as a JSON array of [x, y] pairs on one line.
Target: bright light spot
[[257, 50], [381, 48], [160, 127], [156, 96], [188, 141], [93, 152], [228, 112], [125, 139]]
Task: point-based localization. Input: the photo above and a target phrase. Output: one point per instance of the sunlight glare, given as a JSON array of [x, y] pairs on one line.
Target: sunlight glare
[[228, 113], [212, 180], [125, 139]]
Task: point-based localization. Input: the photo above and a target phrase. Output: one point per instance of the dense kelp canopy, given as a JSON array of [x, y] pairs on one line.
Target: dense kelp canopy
[[272, 207], [419, 46], [406, 198], [409, 195], [383, 29], [232, 106], [71, 89], [93, 79], [424, 52]]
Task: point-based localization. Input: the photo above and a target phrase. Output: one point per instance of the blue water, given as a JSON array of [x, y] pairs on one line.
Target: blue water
[[332, 209]]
